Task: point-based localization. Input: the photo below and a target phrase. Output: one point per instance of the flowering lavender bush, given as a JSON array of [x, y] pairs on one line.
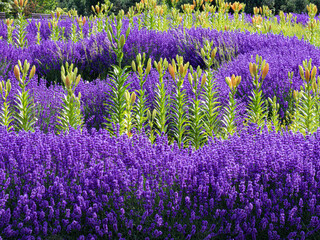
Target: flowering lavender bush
[[83, 185]]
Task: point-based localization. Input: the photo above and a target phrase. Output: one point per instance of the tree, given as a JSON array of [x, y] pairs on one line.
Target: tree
[[5, 5]]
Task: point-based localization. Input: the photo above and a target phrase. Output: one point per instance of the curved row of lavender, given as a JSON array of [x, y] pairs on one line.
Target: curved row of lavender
[[92, 186]]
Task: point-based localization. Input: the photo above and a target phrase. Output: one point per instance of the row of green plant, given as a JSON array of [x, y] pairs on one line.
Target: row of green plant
[[161, 18], [22, 115], [187, 122]]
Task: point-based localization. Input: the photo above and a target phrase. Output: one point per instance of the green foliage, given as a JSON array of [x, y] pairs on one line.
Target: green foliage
[[38, 25], [306, 116], [117, 39], [162, 99], [48, 5], [275, 118], [128, 121], [257, 109], [117, 105], [5, 5], [25, 114], [140, 109], [70, 113], [118, 82], [230, 111], [56, 31], [21, 25], [179, 100], [81, 6], [151, 118], [6, 114], [196, 135], [21, 39], [210, 94]]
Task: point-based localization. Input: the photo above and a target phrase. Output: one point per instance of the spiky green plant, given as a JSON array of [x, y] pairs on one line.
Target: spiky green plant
[[25, 114], [179, 101], [38, 25], [117, 40], [162, 99], [257, 111], [54, 27], [81, 21], [74, 33], [101, 13], [117, 104], [128, 118], [210, 104], [140, 108], [118, 82], [6, 114], [10, 29], [151, 118], [70, 113], [306, 119], [275, 118], [230, 111], [21, 23], [196, 135]]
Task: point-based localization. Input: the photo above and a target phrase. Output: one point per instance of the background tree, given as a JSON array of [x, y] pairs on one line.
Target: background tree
[[5, 5]]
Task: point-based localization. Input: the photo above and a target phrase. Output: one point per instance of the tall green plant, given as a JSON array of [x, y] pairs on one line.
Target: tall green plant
[[117, 40], [38, 40], [25, 114], [128, 120], [275, 118], [162, 99], [10, 29], [306, 118], [119, 75], [257, 111], [70, 113], [140, 108], [117, 103], [6, 115], [196, 134], [179, 101], [57, 32], [81, 22], [211, 104], [21, 23], [151, 118], [230, 111]]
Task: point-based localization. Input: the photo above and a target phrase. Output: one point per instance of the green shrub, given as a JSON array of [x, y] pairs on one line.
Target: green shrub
[[5, 6]]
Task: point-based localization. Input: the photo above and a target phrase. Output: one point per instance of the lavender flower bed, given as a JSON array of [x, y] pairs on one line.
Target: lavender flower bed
[[225, 167], [92, 186]]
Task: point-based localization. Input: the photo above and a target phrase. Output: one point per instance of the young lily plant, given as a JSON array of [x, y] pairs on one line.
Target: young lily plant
[[25, 114], [211, 104], [306, 117], [21, 23], [162, 100], [179, 101], [230, 111], [128, 122], [140, 108], [197, 136], [70, 113], [6, 114], [257, 111]]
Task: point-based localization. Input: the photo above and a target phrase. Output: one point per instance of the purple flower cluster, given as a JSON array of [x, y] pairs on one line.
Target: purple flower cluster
[[92, 186]]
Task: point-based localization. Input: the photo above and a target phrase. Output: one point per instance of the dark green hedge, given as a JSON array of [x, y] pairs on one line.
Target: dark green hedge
[[297, 6]]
